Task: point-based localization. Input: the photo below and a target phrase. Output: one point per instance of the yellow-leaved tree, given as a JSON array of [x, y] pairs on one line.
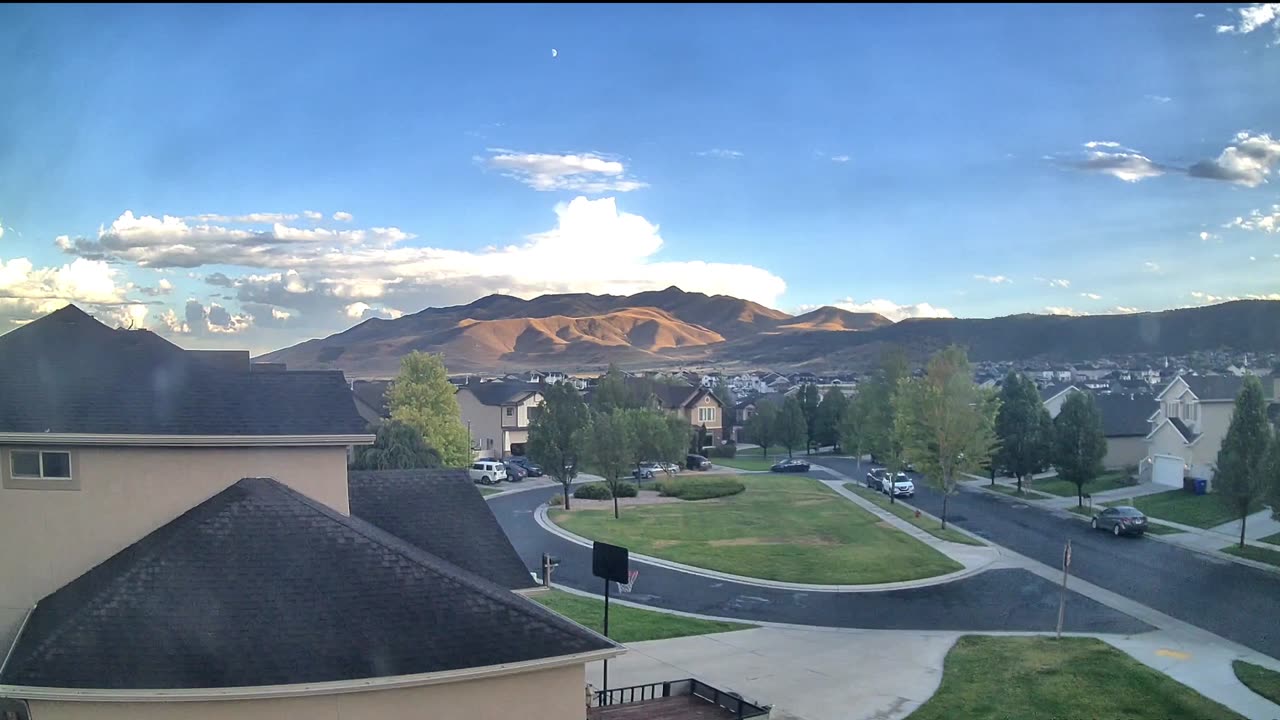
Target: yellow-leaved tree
[[423, 398]]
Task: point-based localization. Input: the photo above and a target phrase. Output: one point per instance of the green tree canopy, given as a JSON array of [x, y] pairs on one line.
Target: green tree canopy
[[1241, 472], [1023, 427], [880, 438], [853, 426], [422, 398], [945, 423], [831, 413], [557, 434], [612, 392], [792, 431], [1273, 474], [1078, 442], [762, 426], [657, 436], [397, 446], [809, 402], [611, 444]]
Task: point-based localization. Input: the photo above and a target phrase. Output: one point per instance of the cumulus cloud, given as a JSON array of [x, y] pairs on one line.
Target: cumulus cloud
[[312, 215], [581, 172], [199, 320], [993, 279], [720, 153], [246, 219], [1150, 267], [1091, 296], [1055, 282], [28, 291], [1124, 310], [892, 310], [1254, 17], [278, 314], [341, 216], [1247, 161], [1127, 166], [1058, 310], [1206, 236], [1259, 220], [132, 316]]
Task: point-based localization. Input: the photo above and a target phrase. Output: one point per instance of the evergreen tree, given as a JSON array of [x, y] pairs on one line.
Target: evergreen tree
[[1241, 472]]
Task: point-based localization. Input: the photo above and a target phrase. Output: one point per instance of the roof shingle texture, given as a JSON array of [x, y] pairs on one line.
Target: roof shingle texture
[[501, 393], [260, 585], [1125, 415]]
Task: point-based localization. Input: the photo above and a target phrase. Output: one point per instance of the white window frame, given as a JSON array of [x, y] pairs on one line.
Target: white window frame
[[40, 482]]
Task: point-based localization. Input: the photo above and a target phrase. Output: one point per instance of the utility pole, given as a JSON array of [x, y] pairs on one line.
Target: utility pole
[[1062, 601]]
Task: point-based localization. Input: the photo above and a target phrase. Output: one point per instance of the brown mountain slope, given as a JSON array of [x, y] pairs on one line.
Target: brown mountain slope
[[835, 319]]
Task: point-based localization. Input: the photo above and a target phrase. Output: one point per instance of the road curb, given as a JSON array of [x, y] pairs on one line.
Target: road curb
[[540, 516]]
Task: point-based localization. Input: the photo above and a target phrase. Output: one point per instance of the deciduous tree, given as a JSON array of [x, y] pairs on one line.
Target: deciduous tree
[[1241, 472], [853, 426], [557, 435], [762, 426], [397, 446], [831, 413], [809, 402], [1078, 442], [612, 392], [423, 398], [880, 408], [792, 432], [610, 447], [1023, 427]]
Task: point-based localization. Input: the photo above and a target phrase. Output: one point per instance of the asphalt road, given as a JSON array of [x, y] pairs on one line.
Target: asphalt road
[[1007, 599], [1236, 602]]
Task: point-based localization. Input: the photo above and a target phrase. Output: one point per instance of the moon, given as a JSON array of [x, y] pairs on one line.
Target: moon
[[555, 52]]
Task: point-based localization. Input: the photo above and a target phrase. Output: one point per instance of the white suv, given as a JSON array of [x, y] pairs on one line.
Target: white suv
[[487, 472]]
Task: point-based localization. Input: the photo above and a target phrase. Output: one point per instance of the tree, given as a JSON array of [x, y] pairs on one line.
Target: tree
[[699, 440], [1241, 472], [880, 438], [422, 398], [1078, 442], [762, 427], [809, 402], [657, 436], [853, 426], [397, 446], [611, 442], [944, 422], [612, 392], [557, 435], [792, 432], [1023, 427], [1273, 474], [831, 413]]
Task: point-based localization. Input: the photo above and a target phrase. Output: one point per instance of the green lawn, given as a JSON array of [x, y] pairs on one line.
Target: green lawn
[[1085, 511], [1202, 511], [1040, 678], [1011, 490], [783, 527], [744, 461], [1258, 679], [1273, 539], [1270, 557], [627, 624], [933, 527], [1062, 488], [1153, 528], [488, 490]]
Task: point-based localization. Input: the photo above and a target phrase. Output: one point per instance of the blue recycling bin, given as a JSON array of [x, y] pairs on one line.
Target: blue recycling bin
[[1201, 486]]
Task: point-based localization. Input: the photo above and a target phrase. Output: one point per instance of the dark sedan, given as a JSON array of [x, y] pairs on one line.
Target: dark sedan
[[790, 465], [529, 466], [1122, 520]]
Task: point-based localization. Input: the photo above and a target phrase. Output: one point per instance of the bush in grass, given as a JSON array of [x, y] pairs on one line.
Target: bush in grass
[[696, 488], [723, 451], [626, 490], [556, 500], [593, 491]]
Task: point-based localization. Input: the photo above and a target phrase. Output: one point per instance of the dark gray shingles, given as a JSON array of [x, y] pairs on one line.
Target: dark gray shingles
[[1125, 415], [440, 512], [500, 393], [1221, 387], [260, 585]]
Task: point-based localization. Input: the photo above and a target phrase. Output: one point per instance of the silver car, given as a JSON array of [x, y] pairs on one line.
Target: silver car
[[1123, 520]]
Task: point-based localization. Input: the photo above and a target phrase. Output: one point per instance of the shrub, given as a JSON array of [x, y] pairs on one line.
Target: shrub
[[557, 500], [700, 488], [593, 491], [723, 451], [625, 490]]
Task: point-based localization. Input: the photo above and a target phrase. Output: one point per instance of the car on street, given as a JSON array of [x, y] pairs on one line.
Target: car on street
[[487, 472], [1123, 520], [900, 487], [875, 479], [530, 467], [790, 465], [515, 473], [696, 462]]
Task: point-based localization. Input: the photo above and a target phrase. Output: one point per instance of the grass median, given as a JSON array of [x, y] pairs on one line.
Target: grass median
[[929, 525], [744, 462], [1041, 678], [1258, 679], [1013, 491], [628, 624], [1249, 552], [1062, 488], [783, 527], [1271, 539], [1202, 511]]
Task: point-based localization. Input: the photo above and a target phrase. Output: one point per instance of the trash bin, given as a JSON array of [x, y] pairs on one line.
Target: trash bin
[[1201, 486]]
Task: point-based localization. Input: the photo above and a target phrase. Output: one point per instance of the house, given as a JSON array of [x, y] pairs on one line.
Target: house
[[370, 397], [1188, 422], [548, 377], [697, 405], [1054, 395], [498, 414], [1124, 423]]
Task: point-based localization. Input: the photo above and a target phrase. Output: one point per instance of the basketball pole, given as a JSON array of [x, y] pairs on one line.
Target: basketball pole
[[606, 634]]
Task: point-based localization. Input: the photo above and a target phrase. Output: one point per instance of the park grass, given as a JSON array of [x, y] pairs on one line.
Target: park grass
[[1271, 539], [1062, 488], [1202, 511], [1258, 679], [744, 461], [1041, 678], [1013, 491], [787, 528], [628, 624], [1249, 552], [929, 525]]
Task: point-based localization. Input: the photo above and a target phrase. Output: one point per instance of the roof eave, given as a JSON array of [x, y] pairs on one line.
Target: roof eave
[[12, 438]]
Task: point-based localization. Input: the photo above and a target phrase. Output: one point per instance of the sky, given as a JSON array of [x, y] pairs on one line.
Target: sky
[[253, 176]]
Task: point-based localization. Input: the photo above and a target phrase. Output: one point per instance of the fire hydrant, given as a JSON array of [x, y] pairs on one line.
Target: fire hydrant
[[917, 513]]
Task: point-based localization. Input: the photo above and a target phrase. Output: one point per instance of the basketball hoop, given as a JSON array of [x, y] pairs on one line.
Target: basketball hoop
[[631, 581]]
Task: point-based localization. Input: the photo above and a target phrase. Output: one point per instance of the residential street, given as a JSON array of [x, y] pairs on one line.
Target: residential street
[[1235, 602]]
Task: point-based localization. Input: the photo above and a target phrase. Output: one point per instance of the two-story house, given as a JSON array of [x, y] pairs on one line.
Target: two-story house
[[1188, 424], [698, 406], [498, 414]]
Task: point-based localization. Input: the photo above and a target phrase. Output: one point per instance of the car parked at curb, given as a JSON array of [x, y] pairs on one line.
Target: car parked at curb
[[696, 462], [901, 486], [648, 471], [875, 479], [530, 467], [487, 472], [1122, 520], [790, 465], [515, 473]]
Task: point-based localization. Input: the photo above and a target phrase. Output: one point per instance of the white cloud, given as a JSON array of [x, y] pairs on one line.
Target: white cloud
[[893, 310], [1091, 296], [247, 219], [993, 279], [1057, 282], [1150, 267], [312, 215], [1248, 161], [1129, 166], [1123, 310], [1057, 310], [840, 158], [132, 316], [1198, 15], [1253, 17], [341, 216], [165, 285], [279, 314], [1206, 236], [1252, 258], [198, 320], [585, 172], [174, 323], [357, 309], [720, 153], [1259, 220], [1161, 99], [1105, 144], [27, 291]]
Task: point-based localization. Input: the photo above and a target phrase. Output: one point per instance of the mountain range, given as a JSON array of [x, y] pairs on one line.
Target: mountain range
[[571, 332]]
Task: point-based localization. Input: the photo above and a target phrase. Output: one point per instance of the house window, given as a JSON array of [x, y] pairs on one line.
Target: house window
[[39, 470], [511, 412], [706, 414], [488, 443]]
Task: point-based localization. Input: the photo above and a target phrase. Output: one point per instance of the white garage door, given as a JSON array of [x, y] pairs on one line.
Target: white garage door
[[1166, 470]]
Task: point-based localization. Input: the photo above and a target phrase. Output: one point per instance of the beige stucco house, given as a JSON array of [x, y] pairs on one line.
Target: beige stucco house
[[698, 406], [1124, 423], [497, 414]]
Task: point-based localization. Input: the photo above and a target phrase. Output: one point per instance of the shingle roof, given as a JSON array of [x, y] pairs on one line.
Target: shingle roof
[[260, 585], [373, 393], [1182, 429], [1220, 387], [440, 512], [501, 393], [674, 395], [1052, 390], [68, 373], [1125, 415]]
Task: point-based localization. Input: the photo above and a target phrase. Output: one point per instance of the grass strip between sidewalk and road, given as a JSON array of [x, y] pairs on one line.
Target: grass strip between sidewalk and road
[[1062, 488], [1041, 678], [1258, 679], [1249, 552], [628, 624], [1202, 511], [1271, 539], [787, 528], [929, 525], [1013, 491]]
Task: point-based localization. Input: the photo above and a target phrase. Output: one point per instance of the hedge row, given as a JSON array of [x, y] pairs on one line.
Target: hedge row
[[600, 491], [700, 488]]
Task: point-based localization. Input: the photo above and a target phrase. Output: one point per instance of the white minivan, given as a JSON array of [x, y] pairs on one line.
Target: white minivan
[[487, 472]]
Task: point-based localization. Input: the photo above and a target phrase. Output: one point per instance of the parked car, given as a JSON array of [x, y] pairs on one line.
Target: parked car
[[669, 468], [530, 467], [790, 465], [875, 479], [647, 471], [1123, 520], [900, 487], [696, 462], [515, 473], [487, 472]]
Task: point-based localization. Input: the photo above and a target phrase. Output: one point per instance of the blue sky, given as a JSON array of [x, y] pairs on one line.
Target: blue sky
[[254, 176]]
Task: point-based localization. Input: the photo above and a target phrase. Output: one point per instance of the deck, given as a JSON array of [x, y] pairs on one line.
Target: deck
[[681, 707]]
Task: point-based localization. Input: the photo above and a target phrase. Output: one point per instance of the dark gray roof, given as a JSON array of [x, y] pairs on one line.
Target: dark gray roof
[[1220, 387], [501, 392], [69, 373], [1182, 429], [1050, 391], [440, 512], [373, 393], [260, 585], [1125, 415], [671, 395]]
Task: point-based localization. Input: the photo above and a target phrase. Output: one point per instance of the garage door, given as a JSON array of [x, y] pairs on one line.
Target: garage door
[[1166, 470]]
